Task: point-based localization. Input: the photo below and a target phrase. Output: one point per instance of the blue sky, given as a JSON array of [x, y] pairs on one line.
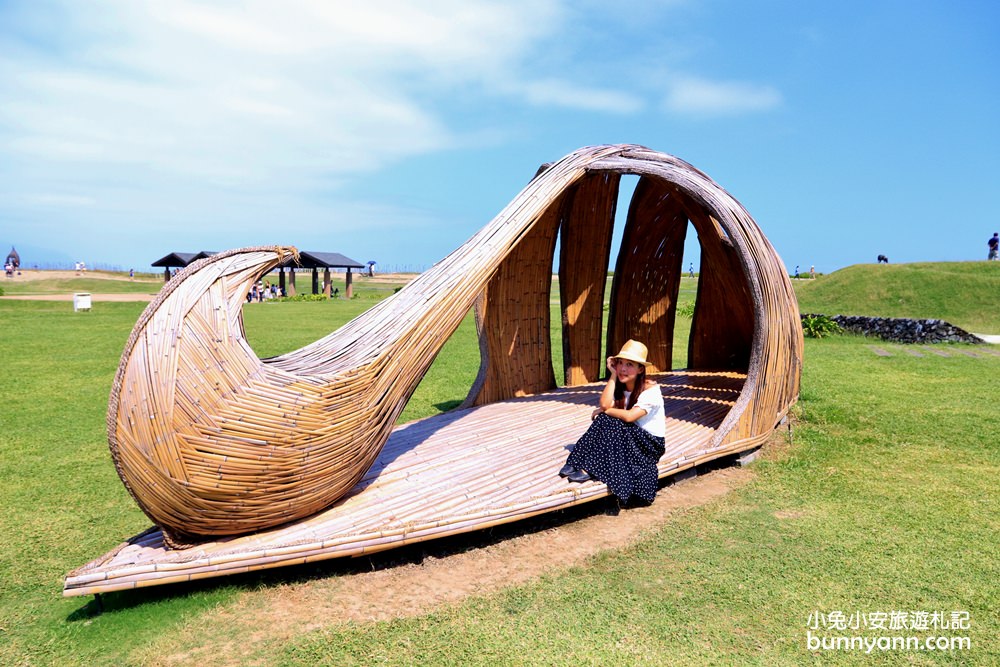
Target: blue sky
[[392, 131]]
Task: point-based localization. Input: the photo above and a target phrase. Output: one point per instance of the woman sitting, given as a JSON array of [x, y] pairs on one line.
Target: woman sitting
[[625, 439]]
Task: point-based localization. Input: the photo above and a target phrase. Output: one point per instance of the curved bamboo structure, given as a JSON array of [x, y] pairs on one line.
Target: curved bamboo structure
[[212, 441]]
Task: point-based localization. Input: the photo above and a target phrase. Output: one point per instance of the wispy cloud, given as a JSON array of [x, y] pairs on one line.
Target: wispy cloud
[[260, 93], [245, 94], [688, 95], [559, 93], [189, 111]]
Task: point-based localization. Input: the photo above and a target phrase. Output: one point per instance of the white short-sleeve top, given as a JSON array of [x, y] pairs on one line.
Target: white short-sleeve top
[[654, 421]]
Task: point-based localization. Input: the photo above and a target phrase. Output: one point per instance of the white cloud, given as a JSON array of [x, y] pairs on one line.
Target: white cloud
[[554, 92], [258, 93], [700, 96], [253, 92], [243, 113]]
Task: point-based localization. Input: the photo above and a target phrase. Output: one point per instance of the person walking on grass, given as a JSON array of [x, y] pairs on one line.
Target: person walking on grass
[[625, 439], [994, 245]]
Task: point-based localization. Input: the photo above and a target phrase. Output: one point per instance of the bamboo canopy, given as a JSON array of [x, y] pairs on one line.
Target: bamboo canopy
[[212, 441]]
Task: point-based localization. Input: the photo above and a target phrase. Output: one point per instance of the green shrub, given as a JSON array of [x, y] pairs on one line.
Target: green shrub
[[686, 309], [304, 297], [817, 326]]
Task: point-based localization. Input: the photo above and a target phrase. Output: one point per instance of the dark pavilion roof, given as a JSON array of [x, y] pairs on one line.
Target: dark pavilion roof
[[13, 256], [182, 258], [309, 259]]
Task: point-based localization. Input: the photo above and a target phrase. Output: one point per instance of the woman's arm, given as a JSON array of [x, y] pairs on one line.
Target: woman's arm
[[635, 413], [607, 399], [631, 415]]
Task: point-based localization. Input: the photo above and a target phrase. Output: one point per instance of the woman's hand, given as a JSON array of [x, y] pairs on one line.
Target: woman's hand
[[597, 411], [612, 365]]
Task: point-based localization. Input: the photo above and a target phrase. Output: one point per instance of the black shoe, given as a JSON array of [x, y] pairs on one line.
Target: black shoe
[[635, 502], [613, 506], [578, 476], [566, 470]]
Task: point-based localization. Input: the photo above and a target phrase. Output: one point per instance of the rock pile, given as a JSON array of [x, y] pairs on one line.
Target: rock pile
[[903, 330]]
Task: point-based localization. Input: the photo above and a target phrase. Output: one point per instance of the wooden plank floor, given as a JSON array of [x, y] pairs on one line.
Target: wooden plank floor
[[452, 473]]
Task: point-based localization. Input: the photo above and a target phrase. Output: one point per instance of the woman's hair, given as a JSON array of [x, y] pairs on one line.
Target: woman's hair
[[640, 384]]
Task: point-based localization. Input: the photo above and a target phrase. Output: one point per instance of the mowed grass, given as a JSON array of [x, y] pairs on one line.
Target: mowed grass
[[36, 282], [963, 293], [885, 500]]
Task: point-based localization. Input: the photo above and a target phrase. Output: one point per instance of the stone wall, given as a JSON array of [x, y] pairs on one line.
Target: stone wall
[[902, 330]]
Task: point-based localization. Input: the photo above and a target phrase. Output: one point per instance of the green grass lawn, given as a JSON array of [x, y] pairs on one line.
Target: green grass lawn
[[107, 282], [886, 500]]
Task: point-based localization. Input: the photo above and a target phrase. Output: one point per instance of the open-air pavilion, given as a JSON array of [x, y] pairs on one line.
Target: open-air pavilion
[[316, 261], [178, 260], [306, 260]]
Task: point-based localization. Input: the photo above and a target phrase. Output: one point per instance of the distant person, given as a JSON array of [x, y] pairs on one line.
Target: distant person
[[882, 259], [796, 270], [131, 274], [691, 270], [812, 273], [994, 245]]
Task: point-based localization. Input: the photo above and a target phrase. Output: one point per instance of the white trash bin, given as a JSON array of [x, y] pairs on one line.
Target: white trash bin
[[81, 301]]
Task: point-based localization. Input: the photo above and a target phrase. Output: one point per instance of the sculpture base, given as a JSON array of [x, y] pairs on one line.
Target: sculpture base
[[456, 472]]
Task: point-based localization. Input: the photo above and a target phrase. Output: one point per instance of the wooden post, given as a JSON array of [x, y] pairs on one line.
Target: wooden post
[[166, 274], [349, 289], [326, 282], [315, 281], [291, 281], [584, 250], [281, 281]]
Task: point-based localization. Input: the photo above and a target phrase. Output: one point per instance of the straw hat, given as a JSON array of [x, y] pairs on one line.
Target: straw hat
[[635, 351]]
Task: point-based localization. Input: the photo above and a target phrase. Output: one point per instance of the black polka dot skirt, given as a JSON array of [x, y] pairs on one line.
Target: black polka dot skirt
[[620, 454]]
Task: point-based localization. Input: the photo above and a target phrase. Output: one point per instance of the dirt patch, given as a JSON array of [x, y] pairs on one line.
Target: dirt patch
[[29, 275], [418, 579], [392, 278]]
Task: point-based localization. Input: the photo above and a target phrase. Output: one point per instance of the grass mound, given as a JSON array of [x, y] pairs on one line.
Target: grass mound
[[963, 293]]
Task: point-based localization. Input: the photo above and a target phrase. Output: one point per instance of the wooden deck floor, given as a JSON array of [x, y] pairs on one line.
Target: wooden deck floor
[[456, 472]]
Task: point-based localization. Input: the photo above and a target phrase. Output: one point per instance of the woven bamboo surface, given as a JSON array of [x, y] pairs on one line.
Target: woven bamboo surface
[[456, 472], [212, 441]]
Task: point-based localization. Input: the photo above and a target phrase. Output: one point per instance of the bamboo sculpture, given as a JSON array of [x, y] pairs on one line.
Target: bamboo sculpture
[[212, 441]]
